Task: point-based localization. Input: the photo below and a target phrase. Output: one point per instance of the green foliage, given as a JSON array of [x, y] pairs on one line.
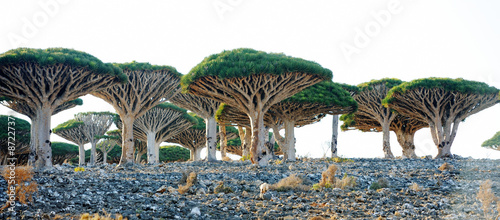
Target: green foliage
[[168, 105], [349, 88], [109, 137], [325, 93], [493, 142], [20, 128], [234, 142], [96, 113], [341, 160], [200, 122], [52, 56], [348, 120], [246, 62], [75, 102], [133, 66], [73, 123], [61, 149], [173, 153], [116, 132], [381, 183], [389, 83], [452, 85]]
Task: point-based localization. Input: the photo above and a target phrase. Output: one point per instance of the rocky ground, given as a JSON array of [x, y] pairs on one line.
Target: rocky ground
[[416, 189]]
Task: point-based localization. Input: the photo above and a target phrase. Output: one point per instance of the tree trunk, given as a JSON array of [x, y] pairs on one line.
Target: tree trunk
[[335, 132], [405, 139], [197, 154], [33, 141], [43, 147], [290, 140], [223, 141], [151, 148], [93, 153], [157, 152], [104, 157], [386, 141], [127, 140], [248, 142], [211, 138], [444, 146], [258, 139], [81, 155], [139, 156]]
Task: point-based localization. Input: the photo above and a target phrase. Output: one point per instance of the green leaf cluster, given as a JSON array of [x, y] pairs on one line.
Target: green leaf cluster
[[168, 105], [200, 122], [75, 102], [348, 120], [133, 66], [325, 93], [73, 123], [244, 62], [61, 148], [20, 127], [52, 56], [173, 153], [389, 83], [494, 141]]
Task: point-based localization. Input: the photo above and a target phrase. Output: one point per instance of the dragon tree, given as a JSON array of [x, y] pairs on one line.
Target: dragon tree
[[95, 124], [192, 138], [369, 98], [73, 130], [492, 143], [18, 141], [162, 119], [149, 85], [252, 81], [206, 109], [307, 107], [63, 152], [106, 144], [46, 79], [23, 108], [226, 133], [443, 103], [404, 127]]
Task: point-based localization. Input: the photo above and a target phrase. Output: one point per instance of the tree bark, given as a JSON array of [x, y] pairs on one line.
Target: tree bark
[[139, 156], [211, 139], [81, 155], [335, 132], [151, 148], [127, 140], [43, 147], [290, 140], [386, 141], [196, 154], [247, 142], [33, 142], [223, 141], [405, 139], [104, 157], [258, 139], [93, 153]]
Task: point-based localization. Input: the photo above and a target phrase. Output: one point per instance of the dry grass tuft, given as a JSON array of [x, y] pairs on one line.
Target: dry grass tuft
[[328, 180], [446, 166], [415, 187], [21, 178], [191, 179], [87, 216], [346, 182], [292, 182], [328, 177], [487, 197]]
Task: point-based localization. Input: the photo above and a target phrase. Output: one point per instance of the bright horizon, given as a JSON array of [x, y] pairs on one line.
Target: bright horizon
[[359, 41]]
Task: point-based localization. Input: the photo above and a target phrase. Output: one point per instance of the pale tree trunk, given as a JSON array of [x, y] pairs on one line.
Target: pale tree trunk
[[280, 139], [191, 156], [247, 142], [43, 147], [196, 153], [211, 138], [127, 140], [241, 133], [290, 140], [272, 141], [93, 153], [81, 155], [33, 141], [223, 141], [258, 139], [139, 156], [335, 132], [449, 133], [157, 152], [405, 139], [104, 157], [386, 141], [151, 148]]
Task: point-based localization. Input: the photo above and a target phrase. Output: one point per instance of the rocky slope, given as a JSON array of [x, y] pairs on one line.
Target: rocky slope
[[416, 189]]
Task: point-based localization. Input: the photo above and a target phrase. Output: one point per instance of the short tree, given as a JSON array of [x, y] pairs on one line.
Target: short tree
[[252, 81], [192, 138], [206, 109], [73, 130], [46, 79], [443, 103], [95, 124], [492, 143], [105, 145], [148, 86]]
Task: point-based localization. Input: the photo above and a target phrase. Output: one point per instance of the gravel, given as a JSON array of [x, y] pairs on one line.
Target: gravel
[[416, 189]]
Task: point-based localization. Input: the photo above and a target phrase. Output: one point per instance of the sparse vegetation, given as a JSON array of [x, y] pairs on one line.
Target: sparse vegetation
[[190, 181], [87, 216], [23, 184], [446, 166], [487, 198], [221, 188], [292, 182], [328, 180], [381, 183], [415, 187]]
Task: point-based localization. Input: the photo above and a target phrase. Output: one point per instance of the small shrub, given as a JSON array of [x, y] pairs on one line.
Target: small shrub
[[346, 182], [446, 166], [222, 189], [341, 160], [381, 183], [278, 162], [487, 197], [22, 182], [328, 177], [191, 179], [292, 182], [328, 180]]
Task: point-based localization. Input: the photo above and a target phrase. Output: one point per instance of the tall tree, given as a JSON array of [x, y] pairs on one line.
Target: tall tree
[[73, 130], [106, 144], [192, 138], [206, 109], [307, 107], [14, 138], [96, 124], [492, 143], [153, 121], [46, 79], [252, 81], [369, 98], [149, 85], [23, 108], [443, 103]]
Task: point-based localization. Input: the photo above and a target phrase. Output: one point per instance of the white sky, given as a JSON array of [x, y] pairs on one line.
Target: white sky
[[420, 39]]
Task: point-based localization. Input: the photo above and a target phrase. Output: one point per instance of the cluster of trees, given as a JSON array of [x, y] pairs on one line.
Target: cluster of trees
[[249, 89]]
